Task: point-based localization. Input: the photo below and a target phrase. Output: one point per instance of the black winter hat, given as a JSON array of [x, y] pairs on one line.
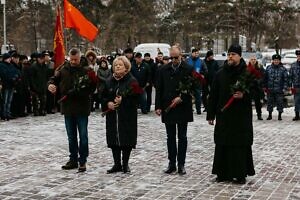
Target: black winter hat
[[5, 56], [276, 56], [235, 48], [138, 55], [209, 53], [146, 55], [128, 50], [297, 52]]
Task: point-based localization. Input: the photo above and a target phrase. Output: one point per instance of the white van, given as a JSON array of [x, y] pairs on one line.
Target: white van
[[153, 49]]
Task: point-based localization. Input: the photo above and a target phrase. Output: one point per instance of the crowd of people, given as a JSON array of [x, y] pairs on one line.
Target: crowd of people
[[125, 83]]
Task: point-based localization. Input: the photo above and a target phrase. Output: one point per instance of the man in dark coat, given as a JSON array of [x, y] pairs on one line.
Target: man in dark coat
[[142, 72], [167, 93], [75, 108], [212, 68], [38, 85], [152, 66], [233, 134]]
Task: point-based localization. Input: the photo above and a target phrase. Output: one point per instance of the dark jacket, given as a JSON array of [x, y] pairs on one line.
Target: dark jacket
[[234, 125], [152, 67], [142, 73], [212, 68], [167, 89], [121, 124], [9, 75], [77, 103], [39, 78]]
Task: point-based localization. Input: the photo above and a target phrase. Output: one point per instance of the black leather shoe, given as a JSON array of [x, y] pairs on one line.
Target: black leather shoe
[[269, 117], [240, 181], [82, 167], [114, 169], [170, 169], [126, 169], [181, 170], [70, 165]]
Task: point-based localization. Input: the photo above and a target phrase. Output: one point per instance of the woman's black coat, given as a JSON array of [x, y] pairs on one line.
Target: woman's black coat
[[121, 124]]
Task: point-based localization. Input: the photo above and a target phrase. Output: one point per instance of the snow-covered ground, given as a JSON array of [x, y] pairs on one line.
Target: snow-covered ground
[[32, 150]]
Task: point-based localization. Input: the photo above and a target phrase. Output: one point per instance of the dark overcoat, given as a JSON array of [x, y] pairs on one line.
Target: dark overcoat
[[234, 125], [167, 89]]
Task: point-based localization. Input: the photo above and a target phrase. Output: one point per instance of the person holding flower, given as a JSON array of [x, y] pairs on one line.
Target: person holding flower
[[229, 103], [173, 102], [76, 83], [120, 98]]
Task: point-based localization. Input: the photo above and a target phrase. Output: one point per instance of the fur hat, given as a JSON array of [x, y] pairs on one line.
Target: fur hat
[[91, 53]]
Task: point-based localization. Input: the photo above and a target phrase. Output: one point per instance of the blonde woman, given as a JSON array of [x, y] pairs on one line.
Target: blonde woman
[[120, 105]]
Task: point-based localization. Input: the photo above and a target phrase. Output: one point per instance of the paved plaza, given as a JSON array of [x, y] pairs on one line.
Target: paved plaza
[[32, 150]]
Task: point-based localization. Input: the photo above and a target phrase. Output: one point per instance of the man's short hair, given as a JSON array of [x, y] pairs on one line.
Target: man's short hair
[[195, 50], [160, 53], [74, 51]]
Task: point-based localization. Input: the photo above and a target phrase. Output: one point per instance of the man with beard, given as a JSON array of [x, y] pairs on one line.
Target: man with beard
[[275, 84], [233, 133]]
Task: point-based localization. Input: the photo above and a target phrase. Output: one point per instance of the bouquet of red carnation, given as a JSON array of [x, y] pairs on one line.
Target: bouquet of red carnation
[[187, 86], [243, 84], [81, 83], [133, 89]]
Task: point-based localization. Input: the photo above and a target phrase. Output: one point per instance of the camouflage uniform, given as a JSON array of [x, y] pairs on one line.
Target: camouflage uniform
[[276, 82], [295, 83]]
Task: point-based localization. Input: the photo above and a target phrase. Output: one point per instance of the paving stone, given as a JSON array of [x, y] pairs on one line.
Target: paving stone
[[33, 149]]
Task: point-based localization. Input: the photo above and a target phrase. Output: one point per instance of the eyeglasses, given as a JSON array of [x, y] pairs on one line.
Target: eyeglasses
[[175, 57]]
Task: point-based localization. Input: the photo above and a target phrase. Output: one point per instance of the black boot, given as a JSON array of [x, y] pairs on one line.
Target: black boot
[[296, 118], [117, 167], [279, 116], [125, 158], [259, 117], [270, 116]]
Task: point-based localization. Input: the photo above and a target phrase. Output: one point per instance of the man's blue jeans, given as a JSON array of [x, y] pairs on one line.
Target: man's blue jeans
[[80, 123], [7, 98]]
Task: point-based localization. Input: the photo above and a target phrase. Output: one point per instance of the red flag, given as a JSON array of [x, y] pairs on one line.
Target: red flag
[[59, 49], [75, 19]]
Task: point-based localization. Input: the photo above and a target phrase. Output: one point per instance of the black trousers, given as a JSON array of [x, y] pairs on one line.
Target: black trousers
[[173, 151], [116, 151], [149, 97]]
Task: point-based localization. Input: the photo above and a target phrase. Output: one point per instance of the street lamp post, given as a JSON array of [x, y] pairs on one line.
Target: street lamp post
[[4, 22]]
